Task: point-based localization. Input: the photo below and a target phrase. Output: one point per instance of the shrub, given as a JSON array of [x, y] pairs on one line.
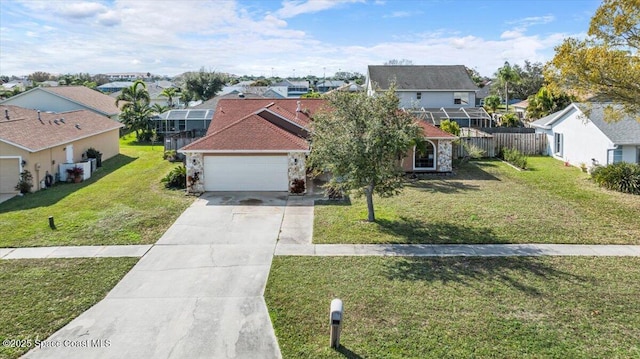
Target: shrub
[[177, 178], [451, 127], [169, 155], [473, 151], [623, 177], [510, 120], [514, 157], [25, 183], [297, 186]]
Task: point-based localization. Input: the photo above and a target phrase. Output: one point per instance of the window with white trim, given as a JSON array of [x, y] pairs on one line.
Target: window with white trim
[[460, 98], [557, 144], [426, 159]]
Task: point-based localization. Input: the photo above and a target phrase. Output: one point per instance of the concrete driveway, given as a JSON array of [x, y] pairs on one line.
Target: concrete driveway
[[198, 293]]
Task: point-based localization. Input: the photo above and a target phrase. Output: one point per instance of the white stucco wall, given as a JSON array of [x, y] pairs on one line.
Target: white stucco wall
[[582, 140], [437, 99], [43, 101]]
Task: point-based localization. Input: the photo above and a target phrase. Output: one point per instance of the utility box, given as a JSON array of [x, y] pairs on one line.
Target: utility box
[[335, 320]]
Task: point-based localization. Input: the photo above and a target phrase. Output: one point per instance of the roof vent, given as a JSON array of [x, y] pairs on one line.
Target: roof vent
[[299, 108], [56, 122], [62, 119], [240, 94], [6, 113], [78, 126]]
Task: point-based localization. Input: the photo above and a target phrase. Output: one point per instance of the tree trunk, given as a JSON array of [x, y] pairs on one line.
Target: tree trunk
[[369, 194], [506, 95]]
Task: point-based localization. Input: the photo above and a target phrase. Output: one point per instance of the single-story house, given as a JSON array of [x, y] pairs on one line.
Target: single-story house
[[580, 134], [436, 155], [66, 98], [262, 145], [42, 142], [252, 145]]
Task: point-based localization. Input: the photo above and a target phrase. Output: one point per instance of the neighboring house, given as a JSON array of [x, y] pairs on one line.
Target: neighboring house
[[42, 142], [520, 108], [328, 85], [431, 86], [483, 92], [113, 87], [126, 76], [579, 134], [66, 98], [437, 154], [175, 121], [292, 89], [252, 145]]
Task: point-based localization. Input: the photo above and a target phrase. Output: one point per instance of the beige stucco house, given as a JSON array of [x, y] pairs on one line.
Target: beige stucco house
[[43, 142]]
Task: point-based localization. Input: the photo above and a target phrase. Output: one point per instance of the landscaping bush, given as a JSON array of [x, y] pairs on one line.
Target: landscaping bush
[[623, 177], [514, 157], [473, 151], [25, 183], [176, 179], [297, 186], [451, 127]]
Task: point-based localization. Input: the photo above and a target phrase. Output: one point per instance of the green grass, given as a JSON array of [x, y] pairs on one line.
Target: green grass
[[490, 202], [122, 203], [39, 296], [506, 307]]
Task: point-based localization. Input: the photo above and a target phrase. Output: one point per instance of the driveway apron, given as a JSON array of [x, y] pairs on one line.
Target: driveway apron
[[198, 293]]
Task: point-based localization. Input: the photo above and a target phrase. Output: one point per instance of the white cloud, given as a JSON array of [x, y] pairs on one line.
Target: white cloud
[[292, 8], [399, 14], [79, 9], [532, 20], [511, 34]]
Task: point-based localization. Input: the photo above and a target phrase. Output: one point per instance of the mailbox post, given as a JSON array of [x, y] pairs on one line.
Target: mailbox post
[[335, 319]]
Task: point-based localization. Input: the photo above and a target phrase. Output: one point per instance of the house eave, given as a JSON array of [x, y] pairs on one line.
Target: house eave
[[241, 151]]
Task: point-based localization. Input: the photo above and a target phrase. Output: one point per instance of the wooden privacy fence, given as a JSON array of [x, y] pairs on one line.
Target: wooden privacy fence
[[490, 144]]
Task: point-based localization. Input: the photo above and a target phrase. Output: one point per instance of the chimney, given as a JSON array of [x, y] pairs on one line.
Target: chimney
[[299, 108]]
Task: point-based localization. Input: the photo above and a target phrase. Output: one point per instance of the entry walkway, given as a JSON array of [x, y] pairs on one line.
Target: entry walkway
[[75, 252]]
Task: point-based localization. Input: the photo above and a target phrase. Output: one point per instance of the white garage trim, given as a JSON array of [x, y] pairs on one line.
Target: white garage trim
[[246, 173]]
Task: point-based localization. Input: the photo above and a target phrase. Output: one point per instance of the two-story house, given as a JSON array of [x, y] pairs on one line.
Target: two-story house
[[431, 92]]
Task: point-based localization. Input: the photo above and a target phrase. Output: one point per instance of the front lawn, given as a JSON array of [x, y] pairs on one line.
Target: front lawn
[[122, 203], [507, 307], [40, 296], [490, 202]]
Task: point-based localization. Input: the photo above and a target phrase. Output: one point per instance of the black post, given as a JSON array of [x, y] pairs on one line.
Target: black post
[[51, 224]]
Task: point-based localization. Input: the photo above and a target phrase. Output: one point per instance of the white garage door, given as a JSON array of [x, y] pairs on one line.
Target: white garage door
[[246, 173], [9, 174]]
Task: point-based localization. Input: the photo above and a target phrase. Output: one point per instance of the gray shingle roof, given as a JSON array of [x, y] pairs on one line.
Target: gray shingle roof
[[626, 131], [427, 77]]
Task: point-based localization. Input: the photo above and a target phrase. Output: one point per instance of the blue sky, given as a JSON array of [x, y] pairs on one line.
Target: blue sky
[[282, 38]]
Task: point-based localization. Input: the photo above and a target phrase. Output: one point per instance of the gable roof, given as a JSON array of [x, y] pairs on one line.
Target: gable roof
[[625, 131], [258, 125], [23, 129], [432, 132], [425, 78], [81, 95]]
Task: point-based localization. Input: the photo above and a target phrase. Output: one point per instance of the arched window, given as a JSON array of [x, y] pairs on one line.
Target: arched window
[[425, 160]]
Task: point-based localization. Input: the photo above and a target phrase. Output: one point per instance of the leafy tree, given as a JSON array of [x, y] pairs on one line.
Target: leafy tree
[[492, 102], [360, 141], [606, 65], [506, 74], [186, 97], [509, 119], [169, 93], [159, 109], [312, 94], [547, 101], [204, 84], [40, 76], [475, 77], [531, 79], [450, 126], [136, 113], [261, 82]]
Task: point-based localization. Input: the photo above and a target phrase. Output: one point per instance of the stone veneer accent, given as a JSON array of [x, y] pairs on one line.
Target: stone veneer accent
[[445, 149], [297, 169], [195, 173]]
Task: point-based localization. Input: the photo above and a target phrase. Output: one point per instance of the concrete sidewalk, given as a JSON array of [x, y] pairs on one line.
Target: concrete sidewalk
[[451, 250], [75, 252]]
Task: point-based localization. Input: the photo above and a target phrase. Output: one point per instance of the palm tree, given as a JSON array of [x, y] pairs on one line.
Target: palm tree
[[169, 93], [507, 75], [136, 113]]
